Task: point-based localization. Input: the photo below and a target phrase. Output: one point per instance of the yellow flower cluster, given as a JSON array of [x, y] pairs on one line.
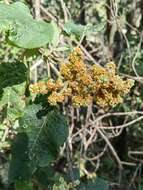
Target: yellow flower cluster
[[109, 88], [52, 87], [79, 80], [83, 85]]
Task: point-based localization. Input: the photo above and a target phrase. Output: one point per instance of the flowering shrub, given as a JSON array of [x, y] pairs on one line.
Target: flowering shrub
[[66, 93]]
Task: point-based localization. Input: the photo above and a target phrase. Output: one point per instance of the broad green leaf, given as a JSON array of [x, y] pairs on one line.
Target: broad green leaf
[[23, 30], [94, 184], [19, 165], [32, 34], [12, 99], [77, 29], [57, 129], [30, 118], [23, 185], [56, 34], [46, 134], [71, 28], [49, 176], [34, 127], [12, 11], [12, 74], [13, 78], [15, 112], [12, 96]]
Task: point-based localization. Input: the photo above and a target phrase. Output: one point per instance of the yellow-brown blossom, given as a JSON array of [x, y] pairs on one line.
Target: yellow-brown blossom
[[66, 72], [55, 98], [39, 88], [108, 87], [79, 100], [54, 85], [83, 85]]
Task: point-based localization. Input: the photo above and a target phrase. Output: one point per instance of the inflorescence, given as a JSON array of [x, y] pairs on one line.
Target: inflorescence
[[84, 85]]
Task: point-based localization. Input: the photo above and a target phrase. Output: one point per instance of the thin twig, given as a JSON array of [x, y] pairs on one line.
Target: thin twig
[[37, 10]]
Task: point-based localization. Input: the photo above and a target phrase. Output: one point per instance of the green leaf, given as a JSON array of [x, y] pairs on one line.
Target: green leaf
[[140, 187], [11, 95], [23, 185], [30, 118], [19, 165], [12, 74], [97, 183], [49, 176], [76, 29], [14, 113], [57, 128], [46, 134], [71, 28], [23, 30], [13, 78], [56, 34]]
